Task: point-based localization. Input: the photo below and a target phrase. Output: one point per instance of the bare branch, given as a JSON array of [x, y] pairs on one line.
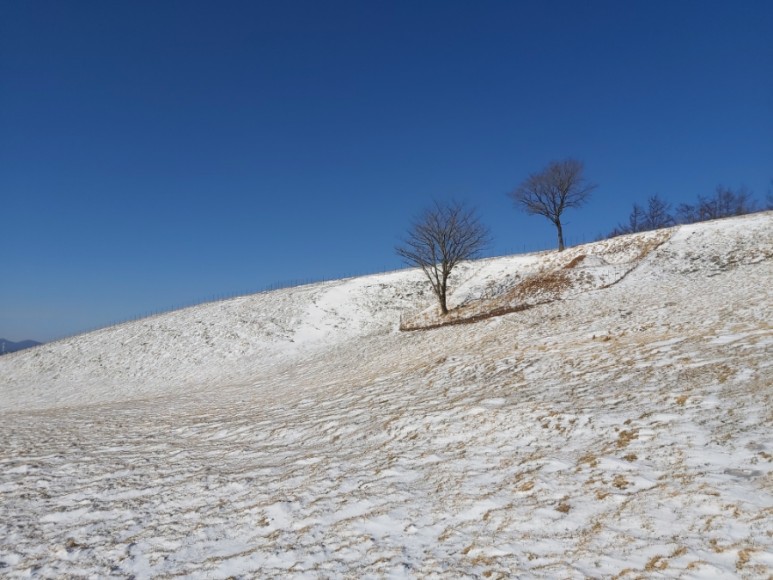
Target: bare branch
[[441, 237], [551, 191]]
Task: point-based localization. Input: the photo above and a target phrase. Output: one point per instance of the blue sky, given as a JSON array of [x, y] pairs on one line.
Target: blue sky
[[154, 154]]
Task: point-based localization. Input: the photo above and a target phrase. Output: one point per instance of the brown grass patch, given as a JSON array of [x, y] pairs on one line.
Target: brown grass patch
[[625, 437], [654, 243], [553, 282], [656, 563], [538, 289], [724, 372], [422, 324], [574, 262], [714, 543], [483, 560], [620, 482], [545, 286], [590, 459], [743, 558]]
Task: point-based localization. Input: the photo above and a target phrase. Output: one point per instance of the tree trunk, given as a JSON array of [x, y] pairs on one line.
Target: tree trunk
[[560, 236], [442, 296]]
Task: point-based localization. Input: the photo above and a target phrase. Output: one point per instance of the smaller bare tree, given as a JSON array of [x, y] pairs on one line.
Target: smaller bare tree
[[728, 203], [635, 223], [441, 237], [556, 188], [658, 214], [769, 196], [687, 213]]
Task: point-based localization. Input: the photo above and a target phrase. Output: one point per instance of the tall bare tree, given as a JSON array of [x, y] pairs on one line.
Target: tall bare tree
[[442, 236], [556, 188]]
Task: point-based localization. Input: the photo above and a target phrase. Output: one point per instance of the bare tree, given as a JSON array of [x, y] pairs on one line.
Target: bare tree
[[635, 223], [551, 191], [441, 237], [687, 213], [658, 214], [636, 220], [724, 203]]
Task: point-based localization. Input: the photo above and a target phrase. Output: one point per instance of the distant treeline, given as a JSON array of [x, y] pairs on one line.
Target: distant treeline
[[658, 213]]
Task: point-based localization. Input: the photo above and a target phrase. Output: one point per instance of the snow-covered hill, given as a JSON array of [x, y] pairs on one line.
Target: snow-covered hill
[[620, 426]]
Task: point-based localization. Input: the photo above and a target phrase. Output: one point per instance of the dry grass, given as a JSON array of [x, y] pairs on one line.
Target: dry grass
[[743, 558], [574, 262], [652, 244], [556, 278], [656, 563], [590, 459], [680, 551], [620, 482], [625, 437], [538, 289], [549, 284]]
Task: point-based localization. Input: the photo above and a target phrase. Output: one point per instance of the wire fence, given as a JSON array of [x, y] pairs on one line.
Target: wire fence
[[221, 297], [544, 245], [297, 282]]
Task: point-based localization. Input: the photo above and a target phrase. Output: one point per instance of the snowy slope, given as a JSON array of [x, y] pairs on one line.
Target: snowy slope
[[621, 430], [207, 345]]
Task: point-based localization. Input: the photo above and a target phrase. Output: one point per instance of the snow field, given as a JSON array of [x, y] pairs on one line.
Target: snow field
[[619, 432]]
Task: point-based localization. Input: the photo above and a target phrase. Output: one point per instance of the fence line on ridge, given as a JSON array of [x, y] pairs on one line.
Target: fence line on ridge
[[571, 240]]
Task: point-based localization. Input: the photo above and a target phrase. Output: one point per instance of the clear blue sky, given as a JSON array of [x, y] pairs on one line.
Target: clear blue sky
[[154, 154]]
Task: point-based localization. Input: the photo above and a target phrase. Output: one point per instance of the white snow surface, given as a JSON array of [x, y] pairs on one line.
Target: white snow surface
[[621, 430]]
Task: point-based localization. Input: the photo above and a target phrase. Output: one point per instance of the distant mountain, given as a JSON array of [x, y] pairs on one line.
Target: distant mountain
[[7, 346]]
